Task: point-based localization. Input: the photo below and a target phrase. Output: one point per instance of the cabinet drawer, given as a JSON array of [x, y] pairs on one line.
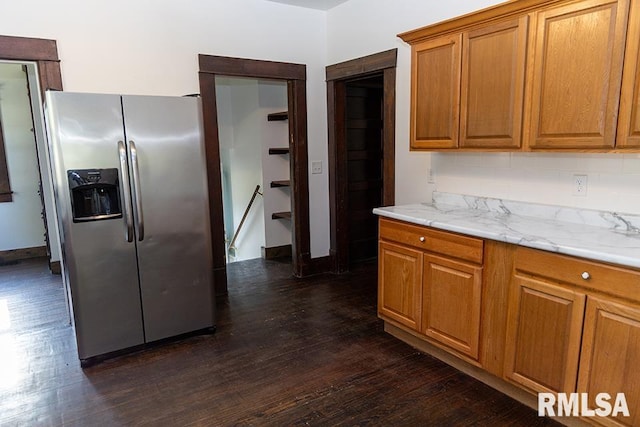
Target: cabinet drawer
[[441, 242], [603, 278]]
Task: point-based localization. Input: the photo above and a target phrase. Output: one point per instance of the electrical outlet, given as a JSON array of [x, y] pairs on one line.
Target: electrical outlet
[[430, 176], [579, 185], [316, 167]]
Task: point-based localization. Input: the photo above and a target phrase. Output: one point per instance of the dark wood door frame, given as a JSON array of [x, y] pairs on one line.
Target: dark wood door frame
[[337, 75], [296, 77], [44, 53]]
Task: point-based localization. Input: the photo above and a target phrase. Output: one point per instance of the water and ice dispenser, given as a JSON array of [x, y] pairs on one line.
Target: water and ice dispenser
[[94, 194]]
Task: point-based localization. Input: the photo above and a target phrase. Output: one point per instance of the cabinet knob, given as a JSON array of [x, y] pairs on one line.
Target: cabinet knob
[[422, 239], [586, 275]]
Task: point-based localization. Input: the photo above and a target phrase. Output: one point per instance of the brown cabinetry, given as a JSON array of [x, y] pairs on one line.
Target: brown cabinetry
[[610, 355], [442, 273], [452, 293], [468, 88], [435, 95], [400, 284], [629, 115], [544, 326], [574, 326], [492, 85], [542, 321], [576, 71], [533, 75]]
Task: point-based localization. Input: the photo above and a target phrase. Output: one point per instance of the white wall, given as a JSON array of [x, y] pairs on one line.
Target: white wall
[[151, 47], [362, 27], [241, 155], [20, 223]]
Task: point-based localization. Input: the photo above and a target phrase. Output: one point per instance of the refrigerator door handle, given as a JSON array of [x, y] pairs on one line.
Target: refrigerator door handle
[[136, 188], [122, 155]]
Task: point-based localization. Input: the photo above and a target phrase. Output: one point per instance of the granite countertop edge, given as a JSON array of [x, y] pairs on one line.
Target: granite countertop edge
[[584, 241]]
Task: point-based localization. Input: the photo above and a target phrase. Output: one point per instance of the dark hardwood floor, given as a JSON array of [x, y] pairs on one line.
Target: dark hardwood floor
[[287, 352]]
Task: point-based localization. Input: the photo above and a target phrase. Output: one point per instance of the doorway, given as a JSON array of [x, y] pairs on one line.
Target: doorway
[[254, 152], [364, 107], [295, 77], [361, 121], [22, 212], [40, 58]]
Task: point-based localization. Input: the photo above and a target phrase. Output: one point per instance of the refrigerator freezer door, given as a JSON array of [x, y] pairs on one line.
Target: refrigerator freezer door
[[166, 153], [99, 263]]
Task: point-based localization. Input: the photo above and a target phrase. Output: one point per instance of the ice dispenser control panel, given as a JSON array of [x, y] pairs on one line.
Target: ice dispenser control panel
[[95, 194]]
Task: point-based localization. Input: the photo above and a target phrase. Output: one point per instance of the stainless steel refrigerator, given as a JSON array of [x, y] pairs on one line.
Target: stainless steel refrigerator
[[132, 203]]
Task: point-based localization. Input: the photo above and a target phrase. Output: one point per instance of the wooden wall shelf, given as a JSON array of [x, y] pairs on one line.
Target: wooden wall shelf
[[281, 215], [275, 117], [282, 183], [279, 150]]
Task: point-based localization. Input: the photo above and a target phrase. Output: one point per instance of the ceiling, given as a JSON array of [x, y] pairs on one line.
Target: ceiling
[[313, 4]]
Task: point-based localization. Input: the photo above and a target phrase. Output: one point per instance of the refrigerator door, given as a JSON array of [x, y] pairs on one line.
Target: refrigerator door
[[167, 164], [99, 263]]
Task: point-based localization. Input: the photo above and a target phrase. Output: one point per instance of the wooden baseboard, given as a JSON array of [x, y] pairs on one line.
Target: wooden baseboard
[[55, 267], [12, 255], [478, 373], [317, 266], [276, 252]]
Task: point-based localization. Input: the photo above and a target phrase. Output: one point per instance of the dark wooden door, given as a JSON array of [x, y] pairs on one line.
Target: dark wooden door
[[364, 137]]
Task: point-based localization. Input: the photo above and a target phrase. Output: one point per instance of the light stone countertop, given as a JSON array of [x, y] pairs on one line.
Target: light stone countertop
[[599, 235]]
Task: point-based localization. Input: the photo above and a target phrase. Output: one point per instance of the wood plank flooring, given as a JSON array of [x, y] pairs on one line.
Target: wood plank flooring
[[287, 352]]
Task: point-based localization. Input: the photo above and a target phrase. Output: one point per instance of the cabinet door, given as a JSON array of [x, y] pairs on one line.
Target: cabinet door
[[629, 122], [610, 355], [576, 76], [492, 86], [400, 284], [451, 303], [544, 324], [435, 93]]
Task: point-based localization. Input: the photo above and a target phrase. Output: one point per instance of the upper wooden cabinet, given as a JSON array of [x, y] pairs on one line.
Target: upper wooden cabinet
[[629, 117], [435, 95], [576, 71], [492, 85], [468, 88], [534, 75]]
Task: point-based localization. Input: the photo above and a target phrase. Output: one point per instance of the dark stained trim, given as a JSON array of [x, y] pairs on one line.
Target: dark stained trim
[[225, 66], [45, 54], [383, 63], [28, 49], [299, 176], [214, 180], [389, 137], [361, 66], [6, 195], [295, 76], [23, 253]]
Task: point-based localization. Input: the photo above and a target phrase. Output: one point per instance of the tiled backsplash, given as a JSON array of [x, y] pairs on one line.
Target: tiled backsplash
[[613, 182]]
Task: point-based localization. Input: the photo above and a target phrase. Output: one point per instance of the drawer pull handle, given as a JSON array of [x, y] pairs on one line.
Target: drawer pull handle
[[422, 239], [586, 275]]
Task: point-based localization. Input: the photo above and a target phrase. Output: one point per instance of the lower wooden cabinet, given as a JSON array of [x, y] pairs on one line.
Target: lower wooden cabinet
[[544, 327], [451, 295], [611, 354], [400, 284], [544, 322], [431, 282]]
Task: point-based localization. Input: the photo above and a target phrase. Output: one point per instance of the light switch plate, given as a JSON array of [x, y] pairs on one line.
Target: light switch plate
[[316, 167]]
